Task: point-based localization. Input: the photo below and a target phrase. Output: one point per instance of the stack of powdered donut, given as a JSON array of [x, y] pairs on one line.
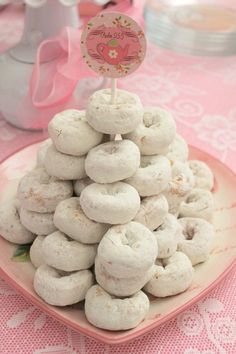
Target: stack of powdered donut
[[112, 221]]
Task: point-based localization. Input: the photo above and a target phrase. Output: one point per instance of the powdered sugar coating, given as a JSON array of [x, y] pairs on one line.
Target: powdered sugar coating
[[119, 118], [108, 312], [71, 133], [156, 132]]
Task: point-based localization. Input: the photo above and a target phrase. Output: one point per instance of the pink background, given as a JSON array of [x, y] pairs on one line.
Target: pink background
[[201, 92]]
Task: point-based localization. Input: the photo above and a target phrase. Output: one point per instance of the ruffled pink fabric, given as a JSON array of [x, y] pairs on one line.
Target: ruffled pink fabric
[[59, 66]]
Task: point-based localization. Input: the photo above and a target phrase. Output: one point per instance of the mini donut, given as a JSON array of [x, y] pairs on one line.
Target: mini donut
[[119, 118], [197, 239], [173, 277], [157, 130], [10, 226], [36, 254], [121, 286], [180, 185], [60, 289], [152, 177], [167, 236], [71, 133], [62, 166], [128, 250], [38, 223], [108, 312], [112, 161], [198, 204], [152, 211], [61, 252], [70, 219], [37, 191], [115, 203], [80, 184], [41, 153], [203, 176], [178, 150]]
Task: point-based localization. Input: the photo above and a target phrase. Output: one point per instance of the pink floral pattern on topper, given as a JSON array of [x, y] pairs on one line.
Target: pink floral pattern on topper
[[113, 44]]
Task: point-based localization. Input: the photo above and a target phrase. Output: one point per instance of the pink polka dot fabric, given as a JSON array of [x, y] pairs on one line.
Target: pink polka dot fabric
[[201, 94]]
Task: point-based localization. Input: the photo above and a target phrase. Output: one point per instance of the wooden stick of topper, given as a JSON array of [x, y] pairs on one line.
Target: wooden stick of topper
[[113, 45], [113, 100], [113, 90]]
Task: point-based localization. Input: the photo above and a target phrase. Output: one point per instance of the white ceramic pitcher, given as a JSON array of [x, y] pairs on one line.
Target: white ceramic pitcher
[[43, 19]]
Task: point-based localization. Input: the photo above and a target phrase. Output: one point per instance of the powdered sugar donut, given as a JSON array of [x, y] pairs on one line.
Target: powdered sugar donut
[[112, 161], [64, 166], [62, 289], [174, 277], [128, 250], [80, 184], [199, 204], [10, 226], [41, 153], [167, 236], [152, 211], [36, 254], [157, 130], [115, 203], [70, 219], [108, 312], [182, 173], [61, 252], [197, 239], [178, 150], [38, 223], [72, 134], [152, 177], [37, 191], [203, 176], [180, 185], [121, 286], [119, 118]]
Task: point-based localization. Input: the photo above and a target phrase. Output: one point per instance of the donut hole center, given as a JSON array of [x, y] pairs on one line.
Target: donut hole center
[[78, 213], [146, 162], [180, 178], [177, 175], [73, 117], [150, 120], [111, 191], [111, 148], [189, 232], [194, 168], [45, 179], [191, 199], [80, 118], [129, 239]]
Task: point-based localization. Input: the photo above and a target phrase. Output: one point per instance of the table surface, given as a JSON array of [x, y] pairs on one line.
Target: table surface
[[201, 94]]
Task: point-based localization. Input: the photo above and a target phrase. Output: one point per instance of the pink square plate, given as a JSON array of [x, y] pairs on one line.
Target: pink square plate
[[207, 275]]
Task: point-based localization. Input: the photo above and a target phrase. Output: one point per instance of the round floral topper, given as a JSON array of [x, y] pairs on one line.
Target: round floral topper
[[113, 44]]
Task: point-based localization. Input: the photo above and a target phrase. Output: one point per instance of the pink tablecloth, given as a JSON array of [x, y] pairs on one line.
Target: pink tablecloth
[[202, 95]]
